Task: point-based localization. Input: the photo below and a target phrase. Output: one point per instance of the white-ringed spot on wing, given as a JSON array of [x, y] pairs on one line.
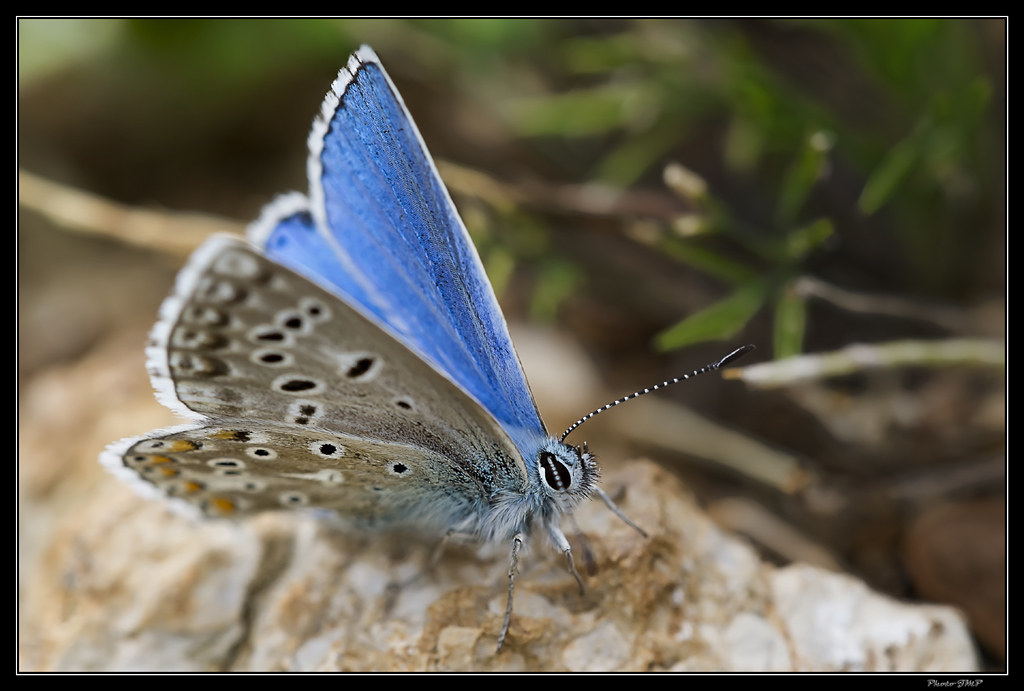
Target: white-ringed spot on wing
[[211, 392], [237, 264], [294, 321], [315, 309], [261, 453], [279, 283], [235, 481], [219, 292], [270, 335], [228, 472], [325, 476], [191, 338], [360, 367], [399, 468], [272, 357], [327, 449], [195, 365], [226, 463], [298, 385], [404, 403], [303, 412], [293, 499], [202, 315]]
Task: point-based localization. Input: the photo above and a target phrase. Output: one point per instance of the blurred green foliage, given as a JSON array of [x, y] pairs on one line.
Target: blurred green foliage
[[903, 108]]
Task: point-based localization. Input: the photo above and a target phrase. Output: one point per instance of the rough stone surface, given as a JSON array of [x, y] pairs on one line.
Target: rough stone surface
[[110, 581]]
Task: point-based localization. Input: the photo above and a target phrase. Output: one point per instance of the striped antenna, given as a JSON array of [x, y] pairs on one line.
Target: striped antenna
[[734, 355]]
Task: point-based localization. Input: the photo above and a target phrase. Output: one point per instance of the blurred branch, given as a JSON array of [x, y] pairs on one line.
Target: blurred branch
[[941, 483], [745, 516], [668, 425], [172, 233], [859, 357], [946, 317]]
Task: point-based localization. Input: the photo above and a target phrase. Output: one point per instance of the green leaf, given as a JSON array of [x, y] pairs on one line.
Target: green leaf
[[800, 242], [628, 162], [790, 324], [890, 173], [578, 113], [720, 321], [708, 261], [933, 143], [808, 168]]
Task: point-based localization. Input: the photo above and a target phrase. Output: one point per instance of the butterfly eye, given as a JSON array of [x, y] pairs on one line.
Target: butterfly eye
[[556, 475]]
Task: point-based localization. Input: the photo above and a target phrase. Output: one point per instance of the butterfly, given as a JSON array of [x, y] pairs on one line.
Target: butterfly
[[350, 356]]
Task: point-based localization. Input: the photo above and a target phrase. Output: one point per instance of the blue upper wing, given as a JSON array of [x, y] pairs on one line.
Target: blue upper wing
[[380, 230]]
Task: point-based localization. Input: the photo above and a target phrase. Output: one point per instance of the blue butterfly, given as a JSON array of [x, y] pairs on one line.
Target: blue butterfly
[[352, 357]]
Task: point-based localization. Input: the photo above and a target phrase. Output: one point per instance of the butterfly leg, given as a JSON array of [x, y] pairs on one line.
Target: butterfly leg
[[558, 537], [584, 543], [435, 556], [617, 511], [517, 543]]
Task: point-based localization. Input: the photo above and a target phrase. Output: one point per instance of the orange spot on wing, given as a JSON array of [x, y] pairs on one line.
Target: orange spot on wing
[[230, 435], [221, 506]]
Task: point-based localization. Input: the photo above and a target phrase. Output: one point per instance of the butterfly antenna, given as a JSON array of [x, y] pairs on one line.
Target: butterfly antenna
[[734, 355]]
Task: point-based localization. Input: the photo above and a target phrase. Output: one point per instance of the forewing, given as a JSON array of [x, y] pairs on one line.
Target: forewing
[[400, 252]]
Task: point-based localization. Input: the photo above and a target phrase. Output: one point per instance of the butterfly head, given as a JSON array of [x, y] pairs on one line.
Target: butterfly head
[[567, 473]]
